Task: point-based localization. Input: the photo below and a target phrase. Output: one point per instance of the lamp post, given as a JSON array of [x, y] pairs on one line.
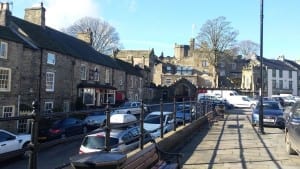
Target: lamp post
[[261, 108]]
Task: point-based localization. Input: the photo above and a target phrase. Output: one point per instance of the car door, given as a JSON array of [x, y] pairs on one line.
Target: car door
[[72, 126], [8, 142], [295, 127], [134, 108]]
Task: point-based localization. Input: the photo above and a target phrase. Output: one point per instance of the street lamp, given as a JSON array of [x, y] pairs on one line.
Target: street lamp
[[261, 108]]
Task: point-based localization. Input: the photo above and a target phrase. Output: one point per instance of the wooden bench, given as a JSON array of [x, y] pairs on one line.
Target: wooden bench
[[153, 157]]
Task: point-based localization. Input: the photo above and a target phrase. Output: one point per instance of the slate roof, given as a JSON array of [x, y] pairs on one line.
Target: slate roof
[[127, 67], [275, 64], [293, 63], [7, 34], [51, 39]]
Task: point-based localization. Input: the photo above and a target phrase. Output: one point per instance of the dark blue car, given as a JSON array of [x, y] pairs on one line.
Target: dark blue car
[[184, 112], [273, 114]]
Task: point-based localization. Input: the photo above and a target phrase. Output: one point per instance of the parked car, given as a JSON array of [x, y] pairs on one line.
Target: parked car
[[285, 100], [273, 114], [134, 108], [152, 123], [123, 139], [11, 142], [66, 127], [185, 112], [292, 130], [96, 119]]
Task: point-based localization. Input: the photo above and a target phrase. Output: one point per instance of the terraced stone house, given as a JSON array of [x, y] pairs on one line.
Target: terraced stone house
[[62, 72]]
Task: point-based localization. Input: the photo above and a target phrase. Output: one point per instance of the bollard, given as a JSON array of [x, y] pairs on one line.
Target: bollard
[[142, 127], [161, 119], [34, 135], [107, 129]]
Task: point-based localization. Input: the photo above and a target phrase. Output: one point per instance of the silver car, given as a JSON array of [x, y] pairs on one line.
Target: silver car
[[121, 140]]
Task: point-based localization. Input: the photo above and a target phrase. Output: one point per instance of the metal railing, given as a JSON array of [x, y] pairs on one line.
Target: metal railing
[[196, 110]]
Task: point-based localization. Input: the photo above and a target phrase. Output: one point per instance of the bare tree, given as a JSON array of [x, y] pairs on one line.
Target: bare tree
[[216, 38], [105, 39], [247, 47]]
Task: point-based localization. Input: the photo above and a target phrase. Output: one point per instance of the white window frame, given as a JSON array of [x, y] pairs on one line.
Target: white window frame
[[3, 50], [66, 107], [204, 63], [51, 58], [5, 84], [48, 106], [107, 76], [50, 82], [233, 66], [141, 83], [168, 81], [96, 75], [132, 82], [83, 72], [7, 113]]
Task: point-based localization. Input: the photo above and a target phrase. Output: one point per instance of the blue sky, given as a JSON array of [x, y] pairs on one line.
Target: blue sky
[[159, 24]]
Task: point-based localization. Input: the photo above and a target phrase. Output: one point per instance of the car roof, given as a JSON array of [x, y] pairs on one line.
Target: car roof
[[158, 113], [113, 133]]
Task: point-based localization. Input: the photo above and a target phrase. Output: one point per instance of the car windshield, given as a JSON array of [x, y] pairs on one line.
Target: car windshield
[[296, 114], [269, 106], [181, 107], [97, 113], [98, 142], [153, 119], [126, 104]]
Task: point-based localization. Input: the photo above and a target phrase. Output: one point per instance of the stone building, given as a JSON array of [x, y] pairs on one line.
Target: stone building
[[62, 72], [278, 77], [188, 63]]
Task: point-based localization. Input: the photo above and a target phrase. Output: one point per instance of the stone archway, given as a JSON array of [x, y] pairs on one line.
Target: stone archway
[[183, 89]]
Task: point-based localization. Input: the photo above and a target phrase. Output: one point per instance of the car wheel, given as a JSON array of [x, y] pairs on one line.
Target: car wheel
[[128, 112], [288, 145], [103, 123], [26, 152]]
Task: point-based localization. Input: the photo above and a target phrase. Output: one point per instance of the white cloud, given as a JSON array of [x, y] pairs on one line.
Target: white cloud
[[63, 13]]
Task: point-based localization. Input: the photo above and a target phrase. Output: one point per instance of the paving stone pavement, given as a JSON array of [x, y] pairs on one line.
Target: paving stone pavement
[[233, 143]]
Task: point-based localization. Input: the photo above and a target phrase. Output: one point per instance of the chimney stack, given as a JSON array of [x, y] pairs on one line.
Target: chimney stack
[[192, 44], [86, 36], [36, 15], [4, 14]]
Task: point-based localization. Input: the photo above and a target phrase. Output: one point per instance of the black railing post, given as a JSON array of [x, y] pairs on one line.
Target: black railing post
[[142, 127], [191, 110], [34, 135], [174, 114], [161, 119], [183, 109], [107, 129]]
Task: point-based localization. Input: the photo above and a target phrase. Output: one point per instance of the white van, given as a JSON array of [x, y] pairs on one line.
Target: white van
[[223, 93], [241, 101]]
